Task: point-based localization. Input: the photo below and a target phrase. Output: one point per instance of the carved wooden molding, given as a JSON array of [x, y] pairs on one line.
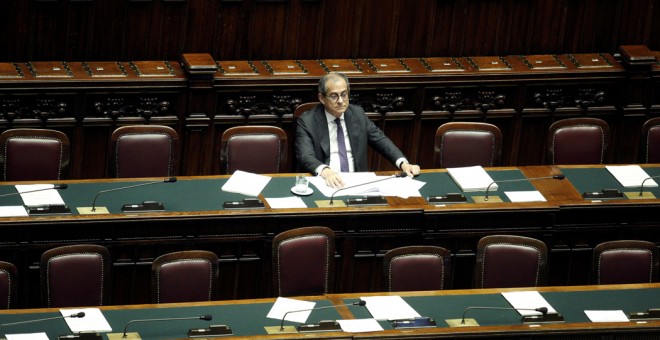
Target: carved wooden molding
[[145, 107], [583, 98], [40, 108], [246, 106], [482, 100]]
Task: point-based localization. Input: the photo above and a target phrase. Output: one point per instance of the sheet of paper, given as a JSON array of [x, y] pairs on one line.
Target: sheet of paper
[[93, 321], [472, 178], [283, 305], [528, 300], [360, 325], [286, 202], [246, 183], [631, 176], [606, 316], [13, 211], [525, 196], [43, 197], [359, 184], [27, 336], [389, 308]]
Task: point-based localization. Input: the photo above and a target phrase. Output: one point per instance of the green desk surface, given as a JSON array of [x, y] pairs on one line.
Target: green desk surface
[[571, 304], [597, 179], [204, 194], [244, 320]]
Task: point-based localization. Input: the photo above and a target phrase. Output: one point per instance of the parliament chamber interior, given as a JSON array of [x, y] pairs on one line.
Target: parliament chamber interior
[[169, 98]]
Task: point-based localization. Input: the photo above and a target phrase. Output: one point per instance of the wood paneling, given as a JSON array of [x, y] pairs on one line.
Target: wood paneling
[[298, 29]]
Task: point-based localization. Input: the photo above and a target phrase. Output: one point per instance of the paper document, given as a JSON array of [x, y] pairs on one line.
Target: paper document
[[360, 325], [44, 197], [93, 321], [389, 308], [529, 301], [525, 196], [631, 176], [27, 336], [246, 183], [283, 305], [472, 178], [368, 184], [606, 316], [13, 211], [286, 202]]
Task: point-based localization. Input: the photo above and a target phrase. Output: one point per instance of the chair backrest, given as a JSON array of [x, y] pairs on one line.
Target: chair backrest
[[300, 109], [459, 144], [651, 141], [34, 154], [8, 284], [144, 151], [625, 261], [505, 261], [75, 276], [303, 261], [259, 149], [184, 276], [578, 141], [416, 268]]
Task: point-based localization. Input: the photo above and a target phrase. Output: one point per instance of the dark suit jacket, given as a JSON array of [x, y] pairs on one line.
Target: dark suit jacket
[[313, 142]]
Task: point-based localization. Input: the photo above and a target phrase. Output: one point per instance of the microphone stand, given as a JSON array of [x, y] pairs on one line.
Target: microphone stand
[[543, 317], [485, 199], [368, 200], [642, 194], [322, 326], [152, 206]]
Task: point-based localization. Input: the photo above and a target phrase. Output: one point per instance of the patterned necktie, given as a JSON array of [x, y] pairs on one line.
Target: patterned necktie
[[341, 143]]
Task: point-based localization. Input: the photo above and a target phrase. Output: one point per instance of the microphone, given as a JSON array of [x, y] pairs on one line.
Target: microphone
[[136, 336], [559, 177], [55, 186], [641, 189], [167, 180], [472, 322], [75, 315], [398, 175], [323, 325]]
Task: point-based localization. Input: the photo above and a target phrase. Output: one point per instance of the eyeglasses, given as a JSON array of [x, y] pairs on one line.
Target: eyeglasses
[[335, 97]]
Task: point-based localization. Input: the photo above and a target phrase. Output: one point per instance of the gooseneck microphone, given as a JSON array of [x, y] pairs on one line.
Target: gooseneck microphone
[[399, 175], [55, 186], [167, 180], [641, 189], [76, 315], [542, 310], [202, 317], [560, 177], [356, 303]]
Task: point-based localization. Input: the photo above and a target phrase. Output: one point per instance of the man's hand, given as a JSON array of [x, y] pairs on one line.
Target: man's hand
[[332, 179], [411, 169]]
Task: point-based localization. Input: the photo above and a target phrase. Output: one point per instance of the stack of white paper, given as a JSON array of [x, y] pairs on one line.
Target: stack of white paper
[[472, 178], [527, 302], [246, 183], [631, 176], [93, 321], [389, 308], [43, 197]]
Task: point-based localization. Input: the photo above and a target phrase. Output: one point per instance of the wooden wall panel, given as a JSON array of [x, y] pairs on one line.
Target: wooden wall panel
[[298, 29]]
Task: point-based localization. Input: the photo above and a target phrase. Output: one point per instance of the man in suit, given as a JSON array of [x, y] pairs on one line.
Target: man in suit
[[318, 149]]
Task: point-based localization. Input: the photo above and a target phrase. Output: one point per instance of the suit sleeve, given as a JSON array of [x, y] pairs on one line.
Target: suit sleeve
[[381, 143], [306, 144]]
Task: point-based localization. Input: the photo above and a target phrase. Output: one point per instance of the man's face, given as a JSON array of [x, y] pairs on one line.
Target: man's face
[[335, 88]]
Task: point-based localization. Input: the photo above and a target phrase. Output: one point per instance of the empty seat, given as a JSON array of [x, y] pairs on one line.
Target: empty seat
[[258, 149], [459, 144], [34, 154], [8, 284], [651, 141], [505, 261], [578, 141], [144, 151], [303, 261], [416, 268], [75, 276], [184, 276], [625, 261]]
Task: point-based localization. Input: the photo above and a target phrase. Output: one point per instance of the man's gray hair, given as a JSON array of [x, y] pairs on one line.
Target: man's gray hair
[[332, 76]]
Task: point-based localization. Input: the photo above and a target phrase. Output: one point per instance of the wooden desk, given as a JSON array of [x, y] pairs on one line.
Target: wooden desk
[[248, 317], [569, 225]]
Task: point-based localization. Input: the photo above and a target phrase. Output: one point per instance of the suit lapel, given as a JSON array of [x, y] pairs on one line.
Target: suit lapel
[[324, 135]]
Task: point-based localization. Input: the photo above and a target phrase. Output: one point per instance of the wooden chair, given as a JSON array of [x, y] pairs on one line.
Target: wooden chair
[[8, 284], [625, 261], [506, 261], [416, 268], [651, 141], [184, 276]]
